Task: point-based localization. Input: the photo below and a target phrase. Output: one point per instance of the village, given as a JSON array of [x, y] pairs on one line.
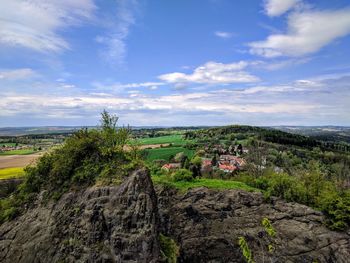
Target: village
[[14, 147], [210, 160]]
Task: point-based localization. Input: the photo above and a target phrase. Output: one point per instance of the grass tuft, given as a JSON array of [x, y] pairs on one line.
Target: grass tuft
[[203, 182]]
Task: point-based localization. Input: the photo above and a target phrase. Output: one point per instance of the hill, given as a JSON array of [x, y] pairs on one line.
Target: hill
[[99, 197]]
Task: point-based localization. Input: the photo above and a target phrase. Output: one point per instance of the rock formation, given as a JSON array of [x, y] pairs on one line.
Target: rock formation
[[123, 223], [101, 224], [207, 224]]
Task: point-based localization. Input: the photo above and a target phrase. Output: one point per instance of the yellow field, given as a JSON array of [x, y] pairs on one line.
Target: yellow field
[[9, 173]]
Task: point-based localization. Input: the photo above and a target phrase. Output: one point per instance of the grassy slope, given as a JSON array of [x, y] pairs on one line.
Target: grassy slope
[[203, 182], [175, 139], [18, 152], [165, 153], [8, 173]]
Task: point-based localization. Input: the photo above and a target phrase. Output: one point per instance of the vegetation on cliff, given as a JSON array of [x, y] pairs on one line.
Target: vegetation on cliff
[[88, 155], [293, 167]]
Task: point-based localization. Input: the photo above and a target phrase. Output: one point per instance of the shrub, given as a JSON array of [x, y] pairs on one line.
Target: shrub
[[183, 175], [169, 249], [85, 156], [309, 188], [337, 210]]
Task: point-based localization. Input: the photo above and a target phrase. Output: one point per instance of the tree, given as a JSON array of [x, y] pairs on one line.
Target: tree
[[196, 161], [257, 158], [240, 149], [214, 161], [113, 136], [108, 121], [179, 157], [186, 163]]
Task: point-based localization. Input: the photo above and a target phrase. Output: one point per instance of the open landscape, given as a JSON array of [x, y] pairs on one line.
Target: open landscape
[[265, 163], [187, 131]]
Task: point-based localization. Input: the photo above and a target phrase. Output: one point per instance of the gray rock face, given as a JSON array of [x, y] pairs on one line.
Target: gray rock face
[[8, 186], [105, 224], [122, 224], [207, 224]]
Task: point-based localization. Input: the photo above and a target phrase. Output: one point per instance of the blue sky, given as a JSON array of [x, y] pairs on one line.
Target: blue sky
[[184, 62]]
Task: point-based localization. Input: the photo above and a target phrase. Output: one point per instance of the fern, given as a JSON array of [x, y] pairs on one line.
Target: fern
[[247, 253], [268, 227]]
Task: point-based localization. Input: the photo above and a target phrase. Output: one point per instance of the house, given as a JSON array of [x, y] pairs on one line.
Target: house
[[227, 168], [171, 166], [206, 162], [207, 166], [240, 162], [236, 161]]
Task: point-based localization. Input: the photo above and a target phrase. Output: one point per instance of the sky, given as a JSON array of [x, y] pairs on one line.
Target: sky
[[175, 63]]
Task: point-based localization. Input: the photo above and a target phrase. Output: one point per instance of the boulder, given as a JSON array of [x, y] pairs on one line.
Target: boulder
[[207, 224]]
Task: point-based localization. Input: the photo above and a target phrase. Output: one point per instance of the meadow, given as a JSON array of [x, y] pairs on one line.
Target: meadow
[[202, 182], [166, 153], [175, 139], [9, 173], [18, 152]]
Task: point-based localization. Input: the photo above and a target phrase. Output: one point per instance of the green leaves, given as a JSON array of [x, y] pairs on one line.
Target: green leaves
[[268, 227], [247, 253], [85, 156]]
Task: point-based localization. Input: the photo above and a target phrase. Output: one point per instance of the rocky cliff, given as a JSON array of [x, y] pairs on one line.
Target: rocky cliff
[[208, 223], [122, 224], [100, 224]]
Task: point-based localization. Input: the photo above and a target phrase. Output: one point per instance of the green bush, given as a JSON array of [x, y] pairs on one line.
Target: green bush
[[309, 188], [169, 249], [183, 175], [84, 157], [337, 210]]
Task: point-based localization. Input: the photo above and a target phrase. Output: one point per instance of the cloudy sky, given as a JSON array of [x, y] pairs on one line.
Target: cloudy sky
[[183, 62]]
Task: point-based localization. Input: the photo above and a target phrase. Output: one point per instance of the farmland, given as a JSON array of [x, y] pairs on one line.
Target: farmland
[[175, 139], [166, 153], [18, 152], [9, 161], [9, 173]]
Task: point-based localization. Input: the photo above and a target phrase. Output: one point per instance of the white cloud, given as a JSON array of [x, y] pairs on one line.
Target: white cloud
[[223, 34], [118, 30], [213, 73], [308, 32], [35, 24], [280, 64], [141, 85], [16, 74], [297, 102], [120, 87], [278, 7]]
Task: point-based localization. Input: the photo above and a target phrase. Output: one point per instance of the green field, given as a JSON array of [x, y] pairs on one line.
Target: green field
[[174, 139], [203, 182], [7, 144], [166, 153], [18, 152], [9, 173]]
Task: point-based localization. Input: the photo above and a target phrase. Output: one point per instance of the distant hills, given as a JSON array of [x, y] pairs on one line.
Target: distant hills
[[324, 133]]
